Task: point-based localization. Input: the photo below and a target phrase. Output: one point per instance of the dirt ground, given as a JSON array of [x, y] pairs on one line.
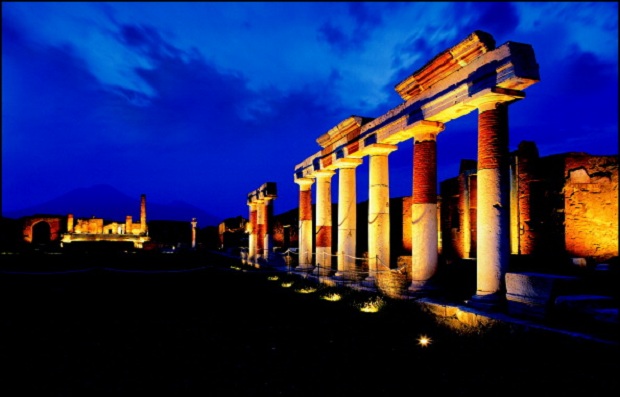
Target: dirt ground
[[222, 331]]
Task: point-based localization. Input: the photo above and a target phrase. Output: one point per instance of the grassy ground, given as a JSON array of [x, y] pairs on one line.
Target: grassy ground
[[217, 331]]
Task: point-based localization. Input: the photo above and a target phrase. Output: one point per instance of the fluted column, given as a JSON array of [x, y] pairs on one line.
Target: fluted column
[[305, 223], [378, 208], [424, 239], [347, 216], [323, 257], [493, 204]]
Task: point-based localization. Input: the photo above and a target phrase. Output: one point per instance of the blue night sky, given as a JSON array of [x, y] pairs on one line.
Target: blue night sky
[[204, 102]]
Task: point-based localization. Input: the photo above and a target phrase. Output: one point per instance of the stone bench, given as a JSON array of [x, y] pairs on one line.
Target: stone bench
[[533, 294]]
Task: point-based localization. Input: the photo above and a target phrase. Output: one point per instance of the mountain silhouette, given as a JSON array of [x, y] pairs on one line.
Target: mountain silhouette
[[105, 201]]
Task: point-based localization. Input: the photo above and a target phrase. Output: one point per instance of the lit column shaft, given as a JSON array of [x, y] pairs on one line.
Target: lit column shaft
[[424, 243], [493, 201], [260, 228], [379, 209], [323, 221], [252, 235], [347, 216], [267, 239], [305, 222], [143, 214]]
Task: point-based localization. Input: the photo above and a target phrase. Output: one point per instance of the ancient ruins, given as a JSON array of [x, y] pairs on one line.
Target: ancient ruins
[[85, 230], [260, 243], [474, 75]]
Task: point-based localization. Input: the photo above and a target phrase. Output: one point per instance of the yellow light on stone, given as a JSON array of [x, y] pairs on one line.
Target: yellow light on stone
[[273, 278], [424, 341], [372, 306], [287, 284], [332, 297], [306, 290]]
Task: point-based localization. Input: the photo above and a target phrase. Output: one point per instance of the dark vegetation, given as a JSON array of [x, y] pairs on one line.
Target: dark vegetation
[[149, 327]]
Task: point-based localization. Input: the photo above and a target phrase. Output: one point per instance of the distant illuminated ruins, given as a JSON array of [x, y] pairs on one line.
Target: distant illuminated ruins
[[89, 230], [473, 75]]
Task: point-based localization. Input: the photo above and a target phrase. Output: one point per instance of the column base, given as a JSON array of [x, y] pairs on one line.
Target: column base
[[421, 288], [491, 302]]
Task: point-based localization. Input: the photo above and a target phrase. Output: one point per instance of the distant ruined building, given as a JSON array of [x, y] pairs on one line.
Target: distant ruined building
[[90, 230], [67, 230]]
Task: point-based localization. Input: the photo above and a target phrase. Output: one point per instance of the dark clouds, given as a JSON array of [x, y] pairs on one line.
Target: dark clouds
[[136, 102]]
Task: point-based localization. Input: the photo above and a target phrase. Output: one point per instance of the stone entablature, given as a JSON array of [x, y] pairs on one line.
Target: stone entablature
[[496, 75]]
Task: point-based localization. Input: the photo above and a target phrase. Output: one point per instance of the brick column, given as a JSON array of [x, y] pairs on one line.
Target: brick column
[[323, 221], [268, 217], [260, 229], [378, 208], [424, 239], [347, 216], [305, 223], [493, 239]]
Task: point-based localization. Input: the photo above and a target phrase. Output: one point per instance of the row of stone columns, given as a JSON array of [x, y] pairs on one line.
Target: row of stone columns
[[492, 219], [260, 241]]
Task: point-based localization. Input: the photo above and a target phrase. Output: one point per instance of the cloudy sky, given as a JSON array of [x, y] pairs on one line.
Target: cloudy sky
[[204, 102]]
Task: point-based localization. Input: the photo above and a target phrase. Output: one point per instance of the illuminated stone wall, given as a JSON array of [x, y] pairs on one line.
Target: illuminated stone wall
[[565, 204], [591, 206]]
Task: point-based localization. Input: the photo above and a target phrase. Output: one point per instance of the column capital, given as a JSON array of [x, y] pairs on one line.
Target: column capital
[[426, 130], [379, 149], [304, 183], [347, 162], [489, 98], [325, 173]]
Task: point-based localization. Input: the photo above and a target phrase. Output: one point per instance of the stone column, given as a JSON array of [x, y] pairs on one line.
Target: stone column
[[252, 233], [493, 240], [260, 229], [323, 257], [378, 208], [194, 224], [347, 216], [305, 223], [143, 214], [268, 216], [70, 223], [424, 239]]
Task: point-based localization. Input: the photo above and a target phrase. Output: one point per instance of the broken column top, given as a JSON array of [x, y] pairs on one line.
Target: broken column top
[[265, 191], [475, 45]]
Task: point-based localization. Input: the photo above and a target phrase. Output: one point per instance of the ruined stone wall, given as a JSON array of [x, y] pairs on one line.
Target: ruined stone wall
[[89, 226], [55, 224], [591, 206]]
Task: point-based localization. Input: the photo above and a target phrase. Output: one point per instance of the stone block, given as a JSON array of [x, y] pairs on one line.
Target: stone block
[[533, 294]]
